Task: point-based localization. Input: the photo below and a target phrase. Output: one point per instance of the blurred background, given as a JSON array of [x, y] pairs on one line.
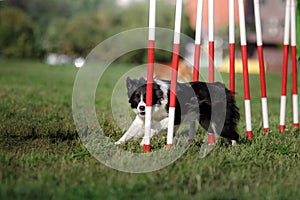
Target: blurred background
[[60, 31], [37, 29]]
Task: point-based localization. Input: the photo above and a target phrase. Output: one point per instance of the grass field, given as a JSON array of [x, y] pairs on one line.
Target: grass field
[[42, 156]]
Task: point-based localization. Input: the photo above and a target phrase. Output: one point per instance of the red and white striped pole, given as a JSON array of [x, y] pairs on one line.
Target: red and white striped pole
[[176, 48], [231, 47], [151, 42], [211, 52], [285, 66], [294, 64], [198, 40], [261, 67], [249, 133], [196, 58], [211, 43]]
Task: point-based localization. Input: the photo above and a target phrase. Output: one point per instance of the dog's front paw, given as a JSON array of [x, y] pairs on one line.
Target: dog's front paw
[[142, 142], [118, 142]]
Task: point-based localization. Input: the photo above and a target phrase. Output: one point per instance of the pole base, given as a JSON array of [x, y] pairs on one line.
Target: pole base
[[211, 139], [169, 145], [266, 130], [296, 125], [147, 148], [249, 135], [281, 128]]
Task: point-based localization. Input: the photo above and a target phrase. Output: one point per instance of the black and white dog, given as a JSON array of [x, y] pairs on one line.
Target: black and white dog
[[209, 103]]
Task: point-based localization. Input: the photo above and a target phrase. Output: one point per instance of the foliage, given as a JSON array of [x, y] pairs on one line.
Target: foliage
[[18, 34], [42, 12], [55, 38], [75, 27], [75, 37]]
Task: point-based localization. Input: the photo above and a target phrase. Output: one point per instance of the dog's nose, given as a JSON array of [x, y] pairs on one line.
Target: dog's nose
[[142, 108]]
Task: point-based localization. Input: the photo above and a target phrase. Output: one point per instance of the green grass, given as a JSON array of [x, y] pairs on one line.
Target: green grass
[[42, 156]]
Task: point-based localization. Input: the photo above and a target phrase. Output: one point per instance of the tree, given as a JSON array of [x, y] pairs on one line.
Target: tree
[[80, 35], [18, 34]]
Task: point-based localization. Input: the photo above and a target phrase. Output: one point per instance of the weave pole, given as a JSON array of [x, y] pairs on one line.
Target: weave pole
[[249, 133], [149, 89], [264, 101], [175, 56], [294, 64], [211, 53], [198, 40], [285, 65], [231, 47], [211, 43], [196, 58]]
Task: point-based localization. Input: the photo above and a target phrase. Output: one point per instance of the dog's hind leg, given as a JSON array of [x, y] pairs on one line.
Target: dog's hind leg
[[234, 142], [192, 131]]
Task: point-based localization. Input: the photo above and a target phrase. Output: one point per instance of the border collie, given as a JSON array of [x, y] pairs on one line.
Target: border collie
[[209, 103]]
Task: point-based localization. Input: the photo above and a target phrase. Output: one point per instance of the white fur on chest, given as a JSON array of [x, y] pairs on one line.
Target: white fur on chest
[[159, 118]]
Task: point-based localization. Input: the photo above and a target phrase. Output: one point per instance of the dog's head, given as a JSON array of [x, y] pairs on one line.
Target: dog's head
[[136, 91]]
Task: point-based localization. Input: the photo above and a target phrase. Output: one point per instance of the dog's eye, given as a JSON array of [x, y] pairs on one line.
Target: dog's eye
[[160, 100]]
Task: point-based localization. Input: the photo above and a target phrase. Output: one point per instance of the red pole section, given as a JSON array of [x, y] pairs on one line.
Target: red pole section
[[176, 48], [249, 133], [151, 46], [175, 58], [231, 47], [211, 51], [196, 62], [261, 67], [294, 64], [285, 66], [232, 68]]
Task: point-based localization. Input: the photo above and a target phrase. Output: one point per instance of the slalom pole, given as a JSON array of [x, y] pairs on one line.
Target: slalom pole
[[196, 58], [294, 64], [249, 133], [211, 51], [285, 66], [231, 47], [175, 57], [261, 67], [149, 89], [211, 42], [198, 40]]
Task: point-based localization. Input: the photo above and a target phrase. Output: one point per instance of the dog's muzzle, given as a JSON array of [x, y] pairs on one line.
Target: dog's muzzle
[[141, 110]]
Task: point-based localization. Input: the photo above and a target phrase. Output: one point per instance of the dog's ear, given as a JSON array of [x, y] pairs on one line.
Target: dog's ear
[[131, 85], [157, 91]]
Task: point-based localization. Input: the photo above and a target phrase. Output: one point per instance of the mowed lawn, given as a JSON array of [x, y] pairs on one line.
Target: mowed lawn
[[42, 157]]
